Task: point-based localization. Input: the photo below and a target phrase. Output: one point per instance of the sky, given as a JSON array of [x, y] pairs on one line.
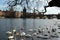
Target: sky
[[32, 4], [53, 10]]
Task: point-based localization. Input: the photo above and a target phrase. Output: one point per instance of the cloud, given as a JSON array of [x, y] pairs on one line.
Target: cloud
[[53, 10], [3, 6]]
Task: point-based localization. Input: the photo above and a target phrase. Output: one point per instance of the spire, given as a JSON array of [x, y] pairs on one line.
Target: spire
[[24, 12]]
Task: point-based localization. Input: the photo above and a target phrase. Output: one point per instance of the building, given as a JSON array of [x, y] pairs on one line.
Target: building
[[17, 14]]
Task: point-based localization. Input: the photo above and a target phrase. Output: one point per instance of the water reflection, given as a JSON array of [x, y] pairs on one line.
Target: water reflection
[[5, 25]]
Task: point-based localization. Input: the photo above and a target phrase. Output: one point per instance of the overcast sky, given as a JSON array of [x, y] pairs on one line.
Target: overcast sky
[[32, 5]]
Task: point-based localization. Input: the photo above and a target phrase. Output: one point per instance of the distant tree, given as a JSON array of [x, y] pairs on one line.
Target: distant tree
[[26, 4], [13, 3]]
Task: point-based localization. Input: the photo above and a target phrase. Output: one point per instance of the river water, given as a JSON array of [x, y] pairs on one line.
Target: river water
[[5, 25]]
